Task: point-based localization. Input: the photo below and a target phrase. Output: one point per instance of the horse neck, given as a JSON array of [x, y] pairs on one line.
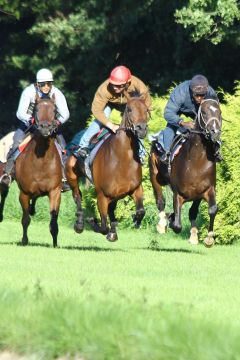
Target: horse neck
[[197, 145], [125, 141], [44, 144]]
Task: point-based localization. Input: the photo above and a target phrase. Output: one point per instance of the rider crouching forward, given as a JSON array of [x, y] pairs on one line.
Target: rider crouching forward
[[185, 99], [109, 96], [44, 89]]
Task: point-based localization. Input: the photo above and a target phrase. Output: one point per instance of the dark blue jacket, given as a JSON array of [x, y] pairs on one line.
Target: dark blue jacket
[[182, 102]]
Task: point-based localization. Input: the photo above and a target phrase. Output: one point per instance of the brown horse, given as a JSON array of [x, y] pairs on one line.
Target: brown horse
[[38, 168], [116, 170], [193, 173]]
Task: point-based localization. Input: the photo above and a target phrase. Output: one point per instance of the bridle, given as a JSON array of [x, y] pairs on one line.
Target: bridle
[[203, 123], [139, 130], [45, 127]]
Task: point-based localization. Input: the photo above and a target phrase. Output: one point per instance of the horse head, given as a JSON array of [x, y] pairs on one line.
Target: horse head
[[209, 119], [136, 115], [45, 116]]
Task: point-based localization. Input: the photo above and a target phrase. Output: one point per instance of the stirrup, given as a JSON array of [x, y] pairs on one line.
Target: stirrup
[[81, 152], [6, 179]]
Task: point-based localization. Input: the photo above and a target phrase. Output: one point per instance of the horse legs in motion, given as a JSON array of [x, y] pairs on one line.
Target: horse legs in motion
[[107, 207], [4, 192], [55, 198], [175, 218]]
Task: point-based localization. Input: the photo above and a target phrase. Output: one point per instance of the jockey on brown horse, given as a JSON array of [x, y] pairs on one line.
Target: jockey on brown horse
[[43, 88], [111, 95], [184, 100]]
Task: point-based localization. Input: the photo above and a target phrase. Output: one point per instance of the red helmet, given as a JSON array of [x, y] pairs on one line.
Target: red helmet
[[120, 75]]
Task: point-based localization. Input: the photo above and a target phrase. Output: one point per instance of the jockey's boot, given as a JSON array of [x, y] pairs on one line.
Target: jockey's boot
[[65, 185], [6, 177], [218, 157], [164, 157]]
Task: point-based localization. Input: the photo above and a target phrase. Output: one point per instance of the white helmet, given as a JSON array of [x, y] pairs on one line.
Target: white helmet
[[44, 75]]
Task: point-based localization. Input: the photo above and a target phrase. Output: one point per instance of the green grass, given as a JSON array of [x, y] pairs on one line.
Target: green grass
[[142, 297]]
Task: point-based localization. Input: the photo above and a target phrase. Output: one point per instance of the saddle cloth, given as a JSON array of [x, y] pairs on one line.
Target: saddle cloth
[[5, 145], [95, 145]]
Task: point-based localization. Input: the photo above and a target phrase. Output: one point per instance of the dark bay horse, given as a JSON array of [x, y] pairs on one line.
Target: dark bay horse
[[116, 170], [193, 173], [38, 168]]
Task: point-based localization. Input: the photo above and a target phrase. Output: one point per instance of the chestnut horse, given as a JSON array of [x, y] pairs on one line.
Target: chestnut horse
[[39, 169], [116, 170], [192, 176]]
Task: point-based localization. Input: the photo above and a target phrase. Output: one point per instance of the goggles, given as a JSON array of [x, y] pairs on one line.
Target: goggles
[[45, 83], [122, 86], [200, 95]]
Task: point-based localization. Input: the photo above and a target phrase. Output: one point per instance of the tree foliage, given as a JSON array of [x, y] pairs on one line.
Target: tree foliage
[[213, 20]]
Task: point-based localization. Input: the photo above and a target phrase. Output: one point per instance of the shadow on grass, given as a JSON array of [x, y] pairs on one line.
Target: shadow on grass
[[90, 248], [186, 251], [69, 247]]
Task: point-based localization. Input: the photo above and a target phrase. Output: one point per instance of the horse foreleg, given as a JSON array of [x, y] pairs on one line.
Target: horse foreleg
[[72, 178], [112, 235], [212, 211], [24, 200], [4, 193], [193, 211], [175, 221], [55, 199], [32, 210], [140, 211], [102, 202]]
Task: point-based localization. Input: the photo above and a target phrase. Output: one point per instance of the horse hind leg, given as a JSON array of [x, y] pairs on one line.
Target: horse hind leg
[[140, 211], [112, 235], [72, 179], [212, 211], [24, 200], [193, 211], [4, 194]]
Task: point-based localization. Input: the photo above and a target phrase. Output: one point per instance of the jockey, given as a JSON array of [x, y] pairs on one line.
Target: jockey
[[44, 88], [110, 95], [184, 100]]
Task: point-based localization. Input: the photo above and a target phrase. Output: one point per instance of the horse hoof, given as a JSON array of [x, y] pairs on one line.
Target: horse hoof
[[112, 237], [193, 240], [78, 228], [208, 241], [161, 229], [24, 242], [1, 218]]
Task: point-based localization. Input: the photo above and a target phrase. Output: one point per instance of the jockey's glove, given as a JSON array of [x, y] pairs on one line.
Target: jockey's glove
[[112, 127]]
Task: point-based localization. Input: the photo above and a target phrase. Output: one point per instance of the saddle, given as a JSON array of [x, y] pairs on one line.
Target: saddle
[[177, 143], [95, 144]]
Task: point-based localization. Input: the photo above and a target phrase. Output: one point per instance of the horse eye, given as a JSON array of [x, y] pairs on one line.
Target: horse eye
[[129, 110]]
